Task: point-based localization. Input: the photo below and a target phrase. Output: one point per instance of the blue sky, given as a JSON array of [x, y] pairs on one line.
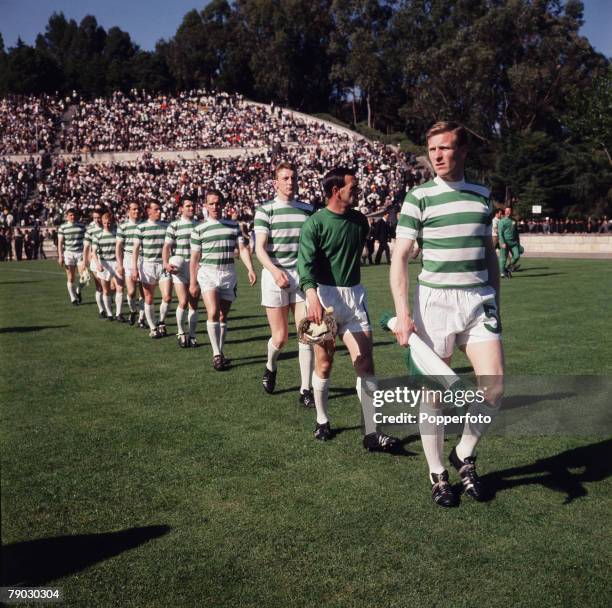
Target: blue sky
[[149, 20]]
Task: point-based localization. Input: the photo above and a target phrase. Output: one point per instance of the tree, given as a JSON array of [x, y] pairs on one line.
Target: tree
[[589, 115], [359, 44]]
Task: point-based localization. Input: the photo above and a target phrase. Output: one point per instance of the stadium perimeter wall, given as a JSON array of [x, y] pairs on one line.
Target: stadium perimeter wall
[[568, 245]]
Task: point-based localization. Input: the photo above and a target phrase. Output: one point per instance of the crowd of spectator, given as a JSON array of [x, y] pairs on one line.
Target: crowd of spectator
[[190, 120], [551, 225], [29, 124], [245, 181]]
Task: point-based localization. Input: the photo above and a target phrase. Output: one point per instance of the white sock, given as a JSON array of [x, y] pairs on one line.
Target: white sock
[[473, 431], [222, 332], [213, 335], [163, 311], [99, 301], [132, 304], [149, 311], [118, 303], [180, 318], [273, 353], [365, 389], [192, 317], [320, 388], [432, 438], [71, 291], [306, 359], [107, 304], [141, 310]]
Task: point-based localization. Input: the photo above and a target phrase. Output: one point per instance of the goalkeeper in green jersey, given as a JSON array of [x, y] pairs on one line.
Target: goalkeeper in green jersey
[[509, 244], [331, 242]]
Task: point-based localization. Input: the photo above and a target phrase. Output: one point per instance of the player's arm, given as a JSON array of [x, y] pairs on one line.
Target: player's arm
[[119, 253], [262, 233], [398, 280], [86, 250], [307, 253], [261, 244], [194, 264], [245, 256], [166, 251], [492, 269], [135, 254], [94, 257], [60, 249], [169, 241]]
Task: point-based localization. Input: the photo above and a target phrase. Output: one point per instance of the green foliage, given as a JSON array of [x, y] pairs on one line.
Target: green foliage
[[516, 73]]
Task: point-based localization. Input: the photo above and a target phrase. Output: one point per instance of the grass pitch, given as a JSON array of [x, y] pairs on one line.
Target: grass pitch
[[133, 474]]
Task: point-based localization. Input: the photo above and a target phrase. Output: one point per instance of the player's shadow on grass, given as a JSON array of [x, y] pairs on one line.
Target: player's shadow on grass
[[234, 328], [590, 463], [18, 282], [516, 401], [542, 274], [37, 562], [251, 339], [26, 329]]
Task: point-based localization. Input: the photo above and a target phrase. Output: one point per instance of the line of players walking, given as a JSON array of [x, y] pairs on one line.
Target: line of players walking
[[311, 262]]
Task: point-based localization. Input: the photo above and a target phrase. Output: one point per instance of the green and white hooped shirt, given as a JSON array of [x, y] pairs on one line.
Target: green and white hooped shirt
[[216, 240], [282, 222], [72, 233], [451, 222], [151, 237], [178, 234]]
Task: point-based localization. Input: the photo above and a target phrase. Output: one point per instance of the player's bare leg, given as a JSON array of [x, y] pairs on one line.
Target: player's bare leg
[[359, 345], [70, 275], [99, 294], [324, 358], [305, 357], [117, 284], [131, 288], [216, 311], [165, 287], [487, 359], [149, 307], [182, 295], [278, 319]]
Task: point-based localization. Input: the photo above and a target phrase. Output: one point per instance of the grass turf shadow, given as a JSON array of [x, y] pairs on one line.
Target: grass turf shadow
[[26, 329], [554, 473], [37, 562]]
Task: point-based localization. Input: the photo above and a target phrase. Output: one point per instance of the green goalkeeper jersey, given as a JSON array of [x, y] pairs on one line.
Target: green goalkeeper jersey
[[507, 231], [330, 249]]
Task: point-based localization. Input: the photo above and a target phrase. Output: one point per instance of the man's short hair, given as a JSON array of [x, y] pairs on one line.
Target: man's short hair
[[151, 202], [73, 211], [284, 164], [335, 177], [447, 126], [215, 192], [184, 199]]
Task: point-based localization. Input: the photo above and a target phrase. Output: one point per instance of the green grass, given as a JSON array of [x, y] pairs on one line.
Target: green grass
[[105, 431]]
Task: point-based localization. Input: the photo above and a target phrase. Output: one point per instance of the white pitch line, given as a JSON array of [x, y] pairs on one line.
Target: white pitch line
[[24, 270]]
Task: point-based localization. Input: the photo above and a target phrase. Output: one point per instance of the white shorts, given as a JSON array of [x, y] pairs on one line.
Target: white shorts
[[221, 279], [350, 307], [127, 264], [153, 273], [446, 316], [181, 275], [272, 296], [109, 272], [72, 258]]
